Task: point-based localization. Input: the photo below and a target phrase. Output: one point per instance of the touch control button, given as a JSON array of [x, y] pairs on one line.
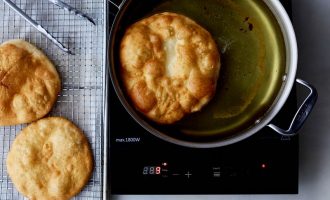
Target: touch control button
[[216, 172], [188, 174]]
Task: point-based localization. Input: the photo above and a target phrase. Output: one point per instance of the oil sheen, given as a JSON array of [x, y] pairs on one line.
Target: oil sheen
[[252, 52]]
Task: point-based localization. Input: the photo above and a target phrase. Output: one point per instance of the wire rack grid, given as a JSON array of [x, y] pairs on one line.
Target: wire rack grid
[[82, 75]]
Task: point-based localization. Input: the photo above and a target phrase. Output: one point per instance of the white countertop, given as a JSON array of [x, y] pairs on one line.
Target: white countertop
[[311, 19]]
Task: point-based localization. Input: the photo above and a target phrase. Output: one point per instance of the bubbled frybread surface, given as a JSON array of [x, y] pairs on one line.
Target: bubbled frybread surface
[[50, 159], [29, 83], [169, 66]]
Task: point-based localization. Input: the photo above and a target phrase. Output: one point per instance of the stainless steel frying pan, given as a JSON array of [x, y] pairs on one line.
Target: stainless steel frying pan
[[259, 63]]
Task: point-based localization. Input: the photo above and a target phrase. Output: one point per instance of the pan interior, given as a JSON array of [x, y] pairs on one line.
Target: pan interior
[[252, 60]]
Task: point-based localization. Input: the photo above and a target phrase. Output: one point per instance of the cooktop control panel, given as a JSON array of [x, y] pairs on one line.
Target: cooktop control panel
[[140, 163]]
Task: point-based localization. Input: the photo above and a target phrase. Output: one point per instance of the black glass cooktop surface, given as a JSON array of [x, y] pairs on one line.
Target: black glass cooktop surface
[[140, 163]]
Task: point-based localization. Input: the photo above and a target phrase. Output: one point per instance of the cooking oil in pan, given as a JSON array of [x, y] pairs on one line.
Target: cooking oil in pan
[[252, 62]]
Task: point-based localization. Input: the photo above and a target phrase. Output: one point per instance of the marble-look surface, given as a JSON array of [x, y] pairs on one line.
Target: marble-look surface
[[311, 20]]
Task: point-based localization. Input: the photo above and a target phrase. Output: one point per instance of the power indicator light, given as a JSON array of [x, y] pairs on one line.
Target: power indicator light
[[164, 164], [263, 166]]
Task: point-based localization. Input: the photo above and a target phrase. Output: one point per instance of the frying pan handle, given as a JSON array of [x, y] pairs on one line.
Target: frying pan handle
[[115, 4], [302, 113]]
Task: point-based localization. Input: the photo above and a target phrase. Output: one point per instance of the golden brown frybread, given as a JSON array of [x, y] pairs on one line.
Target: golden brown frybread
[[29, 83], [50, 159], [169, 66]]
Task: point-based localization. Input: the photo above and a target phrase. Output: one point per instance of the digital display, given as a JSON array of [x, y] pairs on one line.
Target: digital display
[[152, 170]]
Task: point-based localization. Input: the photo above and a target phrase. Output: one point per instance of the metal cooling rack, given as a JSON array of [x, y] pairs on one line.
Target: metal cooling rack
[[83, 76]]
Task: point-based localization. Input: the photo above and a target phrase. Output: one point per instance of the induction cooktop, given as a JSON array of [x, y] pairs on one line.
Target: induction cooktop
[[140, 163]]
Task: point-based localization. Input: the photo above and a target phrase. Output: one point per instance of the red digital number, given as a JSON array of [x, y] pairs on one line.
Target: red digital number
[[158, 170]]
